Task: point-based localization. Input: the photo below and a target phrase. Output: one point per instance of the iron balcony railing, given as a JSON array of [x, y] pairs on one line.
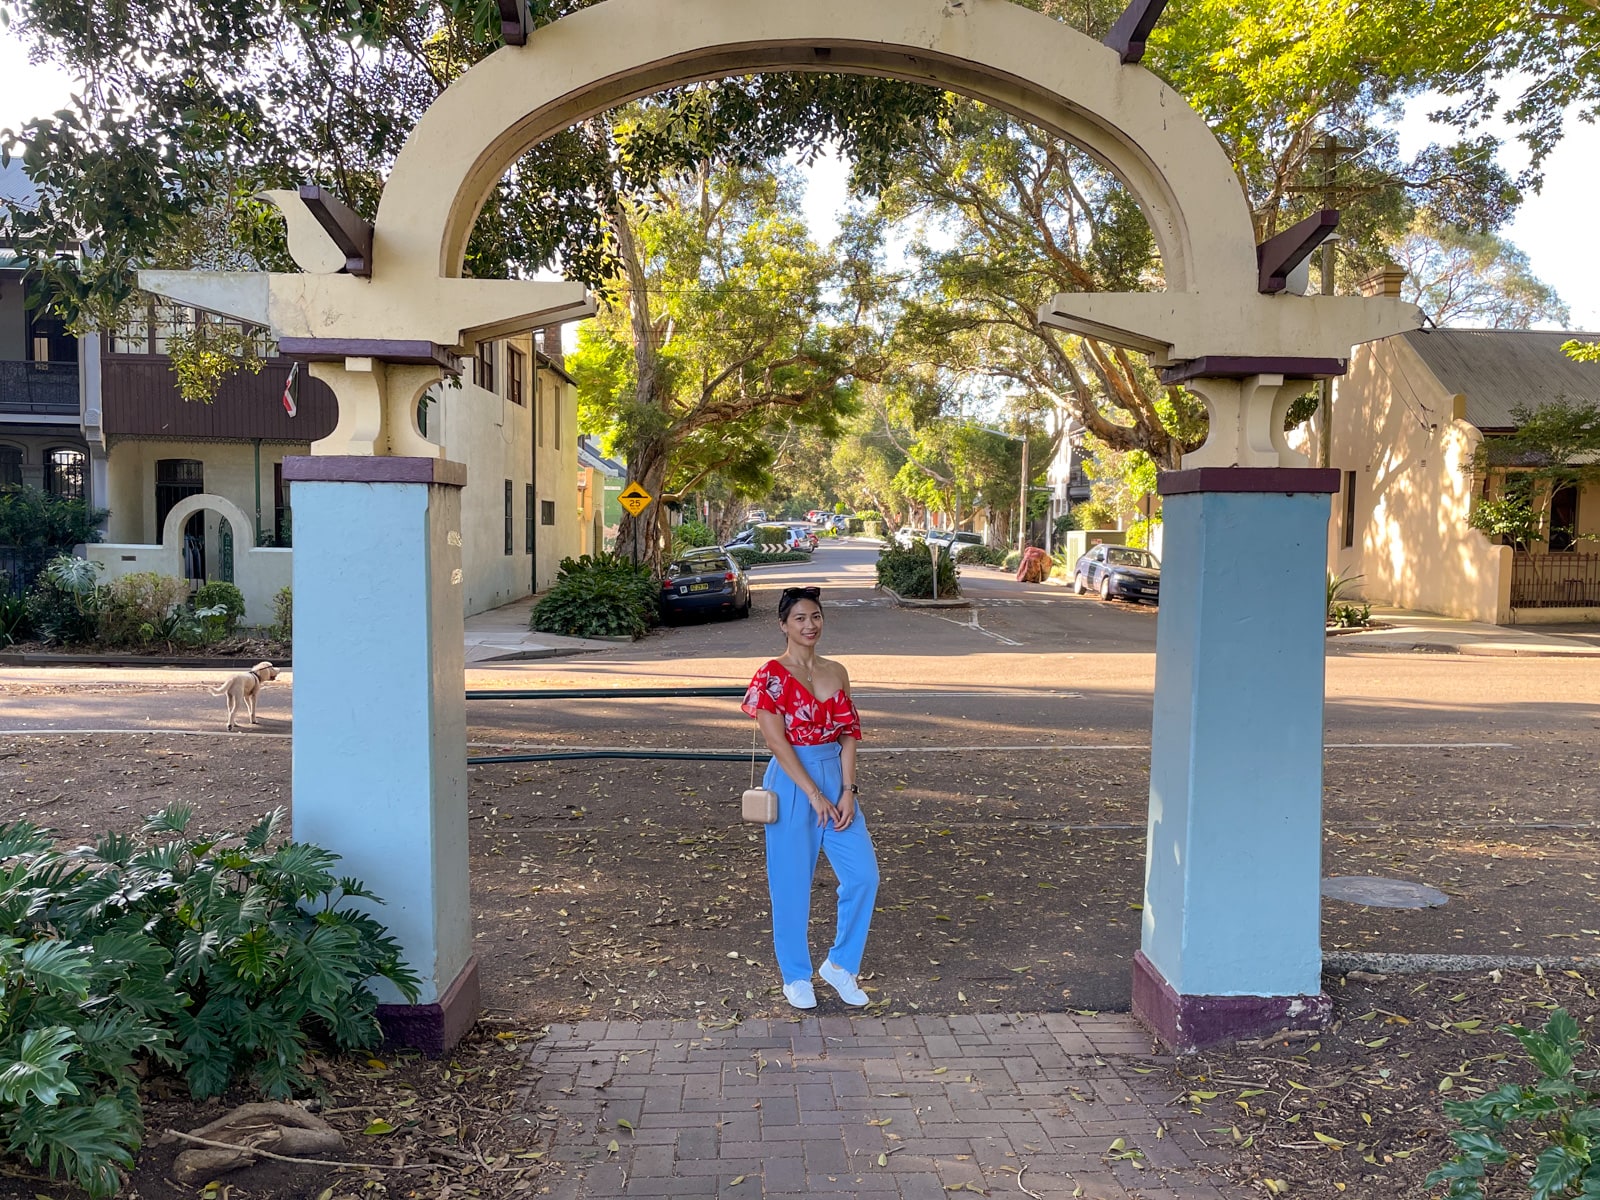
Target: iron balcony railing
[[1560, 579], [39, 389]]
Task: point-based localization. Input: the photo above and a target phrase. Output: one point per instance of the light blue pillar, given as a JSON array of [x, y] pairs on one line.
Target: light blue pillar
[[1231, 941], [380, 772]]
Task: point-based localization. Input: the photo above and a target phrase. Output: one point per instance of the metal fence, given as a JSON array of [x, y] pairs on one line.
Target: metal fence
[[1565, 579], [39, 389], [19, 567]]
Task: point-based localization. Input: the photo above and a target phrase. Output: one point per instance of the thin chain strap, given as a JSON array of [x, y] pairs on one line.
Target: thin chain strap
[[755, 739]]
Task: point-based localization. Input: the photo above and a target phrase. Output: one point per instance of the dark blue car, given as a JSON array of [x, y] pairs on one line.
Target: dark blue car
[[704, 581], [1118, 573]]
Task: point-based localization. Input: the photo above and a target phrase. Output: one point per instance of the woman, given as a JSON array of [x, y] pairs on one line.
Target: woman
[[813, 771]]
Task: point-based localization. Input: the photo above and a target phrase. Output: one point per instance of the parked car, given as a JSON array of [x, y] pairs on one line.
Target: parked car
[[804, 537], [961, 542], [1118, 572], [906, 535], [704, 581]]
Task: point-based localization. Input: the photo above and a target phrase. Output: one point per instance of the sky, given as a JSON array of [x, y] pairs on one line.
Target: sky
[[1554, 228]]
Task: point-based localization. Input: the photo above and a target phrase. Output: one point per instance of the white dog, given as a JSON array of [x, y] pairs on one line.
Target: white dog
[[242, 689]]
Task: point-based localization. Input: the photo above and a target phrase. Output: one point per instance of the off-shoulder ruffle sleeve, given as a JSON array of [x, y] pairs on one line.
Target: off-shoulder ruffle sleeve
[[763, 693]]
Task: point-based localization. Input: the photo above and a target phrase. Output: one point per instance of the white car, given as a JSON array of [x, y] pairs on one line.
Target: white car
[[961, 542]]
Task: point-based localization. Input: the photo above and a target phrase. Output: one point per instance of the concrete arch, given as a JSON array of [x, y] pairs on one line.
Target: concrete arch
[[244, 530], [990, 50]]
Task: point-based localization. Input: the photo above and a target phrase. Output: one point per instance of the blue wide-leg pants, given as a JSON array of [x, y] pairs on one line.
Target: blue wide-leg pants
[[793, 841]]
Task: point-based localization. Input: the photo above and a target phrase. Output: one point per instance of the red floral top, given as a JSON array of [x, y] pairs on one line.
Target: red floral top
[[807, 721]]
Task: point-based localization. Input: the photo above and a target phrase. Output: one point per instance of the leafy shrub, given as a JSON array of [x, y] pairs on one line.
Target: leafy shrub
[[214, 955], [1013, 560], [910, 573], [283, 615], [603, 595], [988, 556], [15, 623], [747, 558], [870, 514], [1511, 517], [136, 607], [1091, 514], [64, 606], [223, 595], [1350, 616], [771, 535], [31, 519], [1540, 1141], [692, 535]]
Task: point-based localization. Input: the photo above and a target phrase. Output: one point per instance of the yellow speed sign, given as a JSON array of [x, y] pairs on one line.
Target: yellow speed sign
[[634, 498]]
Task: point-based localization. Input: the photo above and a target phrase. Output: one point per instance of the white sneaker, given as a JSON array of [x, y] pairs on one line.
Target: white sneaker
[[800, 994], [841, 981]]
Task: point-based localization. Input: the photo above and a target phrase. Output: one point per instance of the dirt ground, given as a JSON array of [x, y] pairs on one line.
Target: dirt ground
[[1359, 1108], [1011, 882]]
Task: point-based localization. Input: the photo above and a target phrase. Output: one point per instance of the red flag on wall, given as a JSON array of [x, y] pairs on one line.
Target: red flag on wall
[[291, 391]]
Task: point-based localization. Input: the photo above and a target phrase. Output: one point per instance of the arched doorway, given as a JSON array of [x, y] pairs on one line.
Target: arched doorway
[[1231, 940]]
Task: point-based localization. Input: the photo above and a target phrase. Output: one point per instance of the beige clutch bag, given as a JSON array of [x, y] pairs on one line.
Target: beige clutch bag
[[760, 805]]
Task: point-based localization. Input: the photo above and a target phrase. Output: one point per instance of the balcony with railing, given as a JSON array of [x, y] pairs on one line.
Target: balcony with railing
[[38, 389]]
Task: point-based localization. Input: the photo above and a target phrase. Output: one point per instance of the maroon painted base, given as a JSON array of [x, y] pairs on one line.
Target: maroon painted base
[[434, 1028], [1188, 1023]]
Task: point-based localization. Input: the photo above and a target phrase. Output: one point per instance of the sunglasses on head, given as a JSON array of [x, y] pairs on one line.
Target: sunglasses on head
[[802, 593]]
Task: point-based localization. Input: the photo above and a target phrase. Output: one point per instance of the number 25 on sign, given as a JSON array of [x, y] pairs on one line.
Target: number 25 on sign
[[634, 498]]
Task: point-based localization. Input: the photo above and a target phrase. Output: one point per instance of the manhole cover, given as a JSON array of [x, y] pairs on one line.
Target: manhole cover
[[1373, 892]]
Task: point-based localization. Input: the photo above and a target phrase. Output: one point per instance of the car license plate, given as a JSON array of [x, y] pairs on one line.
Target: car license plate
[[1148, 591], [699, 587]]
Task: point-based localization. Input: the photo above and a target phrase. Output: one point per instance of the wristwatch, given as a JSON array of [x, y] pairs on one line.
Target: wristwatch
[[854, 790]]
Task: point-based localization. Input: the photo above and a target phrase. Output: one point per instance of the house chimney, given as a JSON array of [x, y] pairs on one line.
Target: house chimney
[[552, 345], [1385, 281]]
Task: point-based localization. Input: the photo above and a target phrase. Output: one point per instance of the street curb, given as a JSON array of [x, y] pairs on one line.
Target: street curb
[[903, 602], [1380, 963], [1475, 650], [133, 660]]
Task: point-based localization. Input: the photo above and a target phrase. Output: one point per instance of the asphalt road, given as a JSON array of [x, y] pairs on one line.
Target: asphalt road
[[1026, 665]]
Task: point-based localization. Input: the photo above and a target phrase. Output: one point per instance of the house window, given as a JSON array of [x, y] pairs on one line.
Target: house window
[[176, 479], [486, 366], [516, 375], [511, 532], [547, 512], [527, 512], [10, 466], [1349, 538], [63, 473]]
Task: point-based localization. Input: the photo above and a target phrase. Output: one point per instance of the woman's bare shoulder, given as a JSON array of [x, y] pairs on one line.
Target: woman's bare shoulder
[[836, 669]]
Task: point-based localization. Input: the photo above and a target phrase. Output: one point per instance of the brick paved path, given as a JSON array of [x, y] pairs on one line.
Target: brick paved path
[[917, 1107]]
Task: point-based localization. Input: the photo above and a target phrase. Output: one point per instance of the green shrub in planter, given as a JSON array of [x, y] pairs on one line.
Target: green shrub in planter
[[747, 558], [910, 573], [988, 556], [772, 535], [599, 596], [223, 595], [135, 607]]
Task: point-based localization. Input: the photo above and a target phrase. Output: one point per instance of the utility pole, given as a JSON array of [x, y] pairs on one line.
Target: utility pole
[[1328, 152], [1022, 512]]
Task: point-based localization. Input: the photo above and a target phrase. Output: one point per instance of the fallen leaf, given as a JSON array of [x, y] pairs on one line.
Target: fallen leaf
[[378, 1128]]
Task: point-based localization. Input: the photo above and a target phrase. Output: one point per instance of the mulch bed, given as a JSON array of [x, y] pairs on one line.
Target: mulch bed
[[246, 649], [413, 1127], [1358, 1109]]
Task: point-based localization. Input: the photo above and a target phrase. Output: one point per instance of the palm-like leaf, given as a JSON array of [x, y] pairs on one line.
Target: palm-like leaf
[[39, 1068]]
